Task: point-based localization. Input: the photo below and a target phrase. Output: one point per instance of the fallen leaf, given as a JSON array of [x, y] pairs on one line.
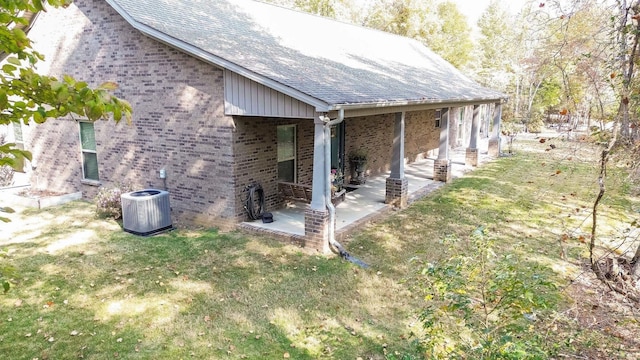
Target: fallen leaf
[[207, 318], [119, 340], [51, 339], [543, 140], [286, 355], [73, 333], [18, 303]]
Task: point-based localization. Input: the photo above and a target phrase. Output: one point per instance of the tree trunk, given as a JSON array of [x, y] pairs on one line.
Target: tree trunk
[[635, 264]]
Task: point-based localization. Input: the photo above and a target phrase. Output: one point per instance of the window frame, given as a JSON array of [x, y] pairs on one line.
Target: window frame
[[438, 118], [295, 150], [18, 139], [84, 151]]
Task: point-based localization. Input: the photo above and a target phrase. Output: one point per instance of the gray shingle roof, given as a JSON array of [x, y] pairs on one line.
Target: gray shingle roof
[[329, 61]]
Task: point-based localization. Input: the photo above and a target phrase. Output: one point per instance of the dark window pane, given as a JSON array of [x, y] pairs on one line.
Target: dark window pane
[[19, 160], [17, 131], [286, 171], [286, 142], [90, 166], [87, 136]]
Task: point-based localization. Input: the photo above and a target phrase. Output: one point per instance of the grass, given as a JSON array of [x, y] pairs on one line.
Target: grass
[[85, 289]]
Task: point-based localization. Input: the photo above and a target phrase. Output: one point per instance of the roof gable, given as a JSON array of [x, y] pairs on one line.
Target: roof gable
[[322, 62]]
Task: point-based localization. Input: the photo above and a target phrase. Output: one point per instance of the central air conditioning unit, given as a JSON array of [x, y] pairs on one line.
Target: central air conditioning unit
[[146, 212]]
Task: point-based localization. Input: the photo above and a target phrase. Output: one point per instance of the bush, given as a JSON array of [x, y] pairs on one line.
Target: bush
[[481, 305], [536, 125], [107, 201]]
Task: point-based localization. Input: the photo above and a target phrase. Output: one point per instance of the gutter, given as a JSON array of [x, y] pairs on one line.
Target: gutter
[[402, 103]]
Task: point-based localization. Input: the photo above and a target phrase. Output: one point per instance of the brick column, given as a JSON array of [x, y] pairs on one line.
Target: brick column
[[316, 230], [397, 192], [494, 147], [442, 170], [471, 157]]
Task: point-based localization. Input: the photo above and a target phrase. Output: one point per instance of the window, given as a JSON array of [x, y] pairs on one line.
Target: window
[[438, 117], [287, 153], [89, 155], [19, 141]]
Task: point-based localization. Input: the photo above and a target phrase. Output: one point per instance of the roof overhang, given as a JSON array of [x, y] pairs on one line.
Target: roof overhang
[[368, 109]]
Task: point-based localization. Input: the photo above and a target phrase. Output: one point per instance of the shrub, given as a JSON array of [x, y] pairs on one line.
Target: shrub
[[108, 200], [481, 305]]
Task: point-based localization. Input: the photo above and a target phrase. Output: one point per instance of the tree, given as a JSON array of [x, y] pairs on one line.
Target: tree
[[26, 96], [444, 30], [451, 39]]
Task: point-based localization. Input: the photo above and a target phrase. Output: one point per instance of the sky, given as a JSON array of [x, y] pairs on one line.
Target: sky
[[472, 9]]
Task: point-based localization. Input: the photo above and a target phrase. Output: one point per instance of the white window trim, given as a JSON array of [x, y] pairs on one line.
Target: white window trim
[[83, 151], [295, 151], [438, 118]]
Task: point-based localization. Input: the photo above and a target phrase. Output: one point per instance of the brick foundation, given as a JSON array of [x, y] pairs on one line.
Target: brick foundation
[[472, 157], [494, 148], [316, 230], [442, 170], [397, 192]]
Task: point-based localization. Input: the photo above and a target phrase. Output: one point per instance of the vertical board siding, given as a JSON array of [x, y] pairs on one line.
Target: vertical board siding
[[246, 97]]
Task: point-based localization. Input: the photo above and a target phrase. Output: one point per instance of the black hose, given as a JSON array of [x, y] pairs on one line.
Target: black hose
[[250, 204]]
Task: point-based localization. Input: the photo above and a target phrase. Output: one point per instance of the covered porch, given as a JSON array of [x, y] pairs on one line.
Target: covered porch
[[367, 202]]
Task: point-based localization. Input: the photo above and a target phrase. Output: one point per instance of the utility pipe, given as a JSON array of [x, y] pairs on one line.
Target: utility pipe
[[327, 186]]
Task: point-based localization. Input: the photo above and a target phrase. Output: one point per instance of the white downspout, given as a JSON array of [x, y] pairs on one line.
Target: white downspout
[[327, 186]]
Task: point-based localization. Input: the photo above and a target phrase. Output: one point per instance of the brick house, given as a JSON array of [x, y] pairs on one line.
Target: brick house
[[229, 93]]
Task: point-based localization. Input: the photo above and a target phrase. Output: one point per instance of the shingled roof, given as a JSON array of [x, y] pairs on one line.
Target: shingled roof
[[320, 61]]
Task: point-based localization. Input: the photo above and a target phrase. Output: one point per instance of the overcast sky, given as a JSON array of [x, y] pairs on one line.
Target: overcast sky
[[472, 9]]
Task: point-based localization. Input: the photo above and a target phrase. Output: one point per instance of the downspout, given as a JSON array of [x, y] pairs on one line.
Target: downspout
[[327, 187], [333, 244]]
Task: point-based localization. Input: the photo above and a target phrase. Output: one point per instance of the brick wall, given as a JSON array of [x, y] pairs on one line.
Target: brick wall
[[375, 134], [178, 121], [422, 138]]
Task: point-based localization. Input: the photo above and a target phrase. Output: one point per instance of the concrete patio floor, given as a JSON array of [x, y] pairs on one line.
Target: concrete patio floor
[[366, 201]]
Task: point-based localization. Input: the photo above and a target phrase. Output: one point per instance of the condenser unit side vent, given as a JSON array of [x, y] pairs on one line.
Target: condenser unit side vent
[[146, 212]]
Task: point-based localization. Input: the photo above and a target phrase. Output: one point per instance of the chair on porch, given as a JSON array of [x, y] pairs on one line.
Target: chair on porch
[[302, 193]]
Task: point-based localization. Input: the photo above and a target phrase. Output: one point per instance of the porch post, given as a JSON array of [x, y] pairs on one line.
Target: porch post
[[494, 141], [442, 166], [316, 217], [472, 154], [397, 186]]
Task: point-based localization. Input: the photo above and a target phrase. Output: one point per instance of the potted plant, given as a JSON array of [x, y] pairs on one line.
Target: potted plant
[[358, 161]]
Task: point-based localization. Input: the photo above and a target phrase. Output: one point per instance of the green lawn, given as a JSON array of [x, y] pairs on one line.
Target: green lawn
[[85, 289]]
